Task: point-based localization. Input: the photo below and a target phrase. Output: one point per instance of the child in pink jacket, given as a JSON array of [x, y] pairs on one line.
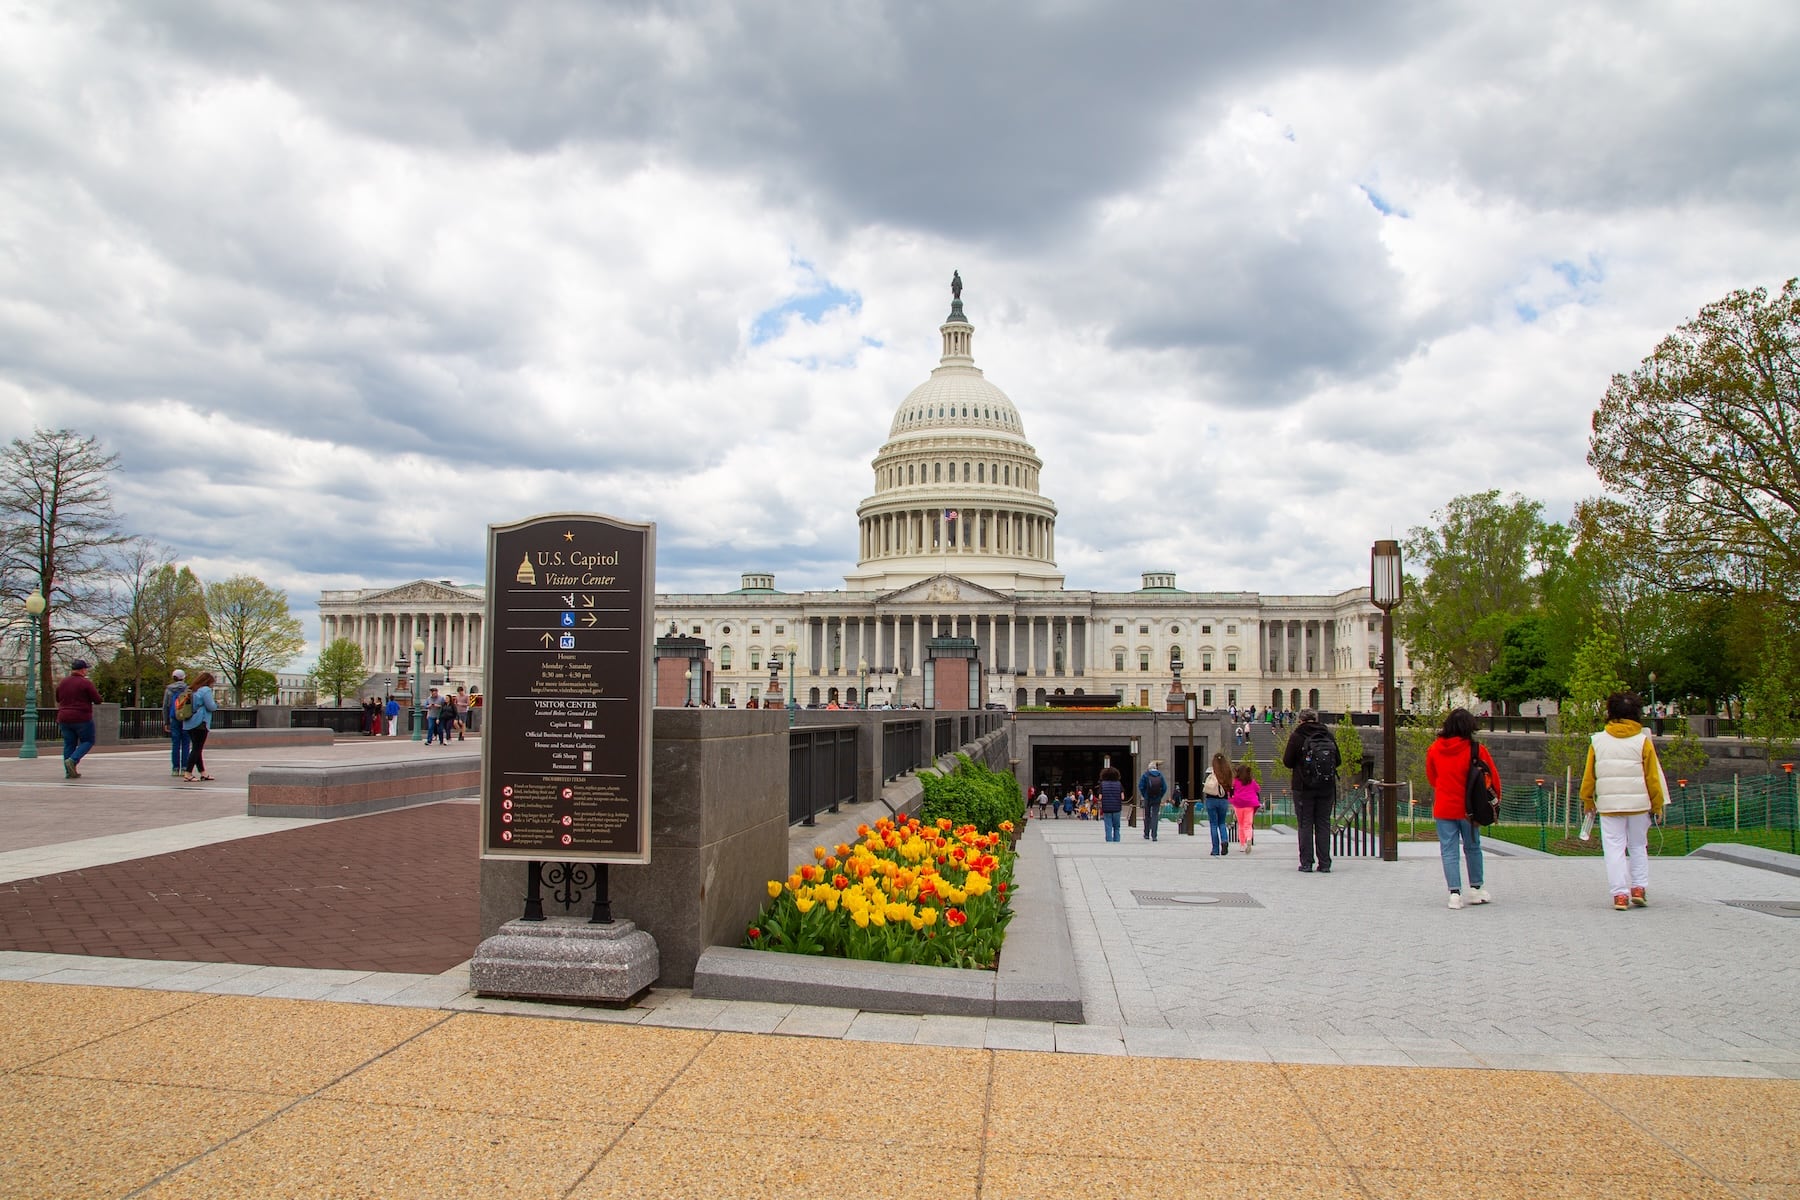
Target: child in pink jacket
[[1246, 798]]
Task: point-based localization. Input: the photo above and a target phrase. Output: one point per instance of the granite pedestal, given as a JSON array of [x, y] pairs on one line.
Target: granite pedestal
[[565, 958]]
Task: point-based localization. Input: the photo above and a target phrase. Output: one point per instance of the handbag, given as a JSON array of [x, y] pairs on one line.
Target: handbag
[[1479, 800]]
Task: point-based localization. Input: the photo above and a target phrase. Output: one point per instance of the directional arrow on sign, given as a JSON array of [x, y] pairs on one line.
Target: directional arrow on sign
[[587, 602], [548, 639], [588, 619]]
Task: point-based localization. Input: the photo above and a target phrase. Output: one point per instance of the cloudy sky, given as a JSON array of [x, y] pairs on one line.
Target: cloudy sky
[[342, 283]]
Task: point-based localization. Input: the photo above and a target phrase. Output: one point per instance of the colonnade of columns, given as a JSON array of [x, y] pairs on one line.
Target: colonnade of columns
[[974, 531], [895, 642], [452, 639], [1297, 646]]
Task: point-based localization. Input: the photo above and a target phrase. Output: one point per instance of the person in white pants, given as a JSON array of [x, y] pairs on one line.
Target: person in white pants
[[393, 717], [1624, 784]]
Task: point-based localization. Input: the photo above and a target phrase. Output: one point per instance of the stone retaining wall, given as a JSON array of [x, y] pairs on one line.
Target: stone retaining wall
[[353, 789]]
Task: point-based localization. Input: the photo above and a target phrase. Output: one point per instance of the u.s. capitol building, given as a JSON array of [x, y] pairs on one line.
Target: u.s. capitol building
[[956, 540]]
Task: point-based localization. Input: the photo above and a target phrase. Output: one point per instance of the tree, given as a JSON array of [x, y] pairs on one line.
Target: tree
[[1702, 435], [249, 628], [258, 686], [339, 669], [173, 612], [1594, 677], [136, 564], [1481, 564], [1772, 701], [58, 524], [1523, 670], [1350, 748]]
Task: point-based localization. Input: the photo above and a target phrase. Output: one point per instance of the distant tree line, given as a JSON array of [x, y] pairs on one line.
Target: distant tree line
[[1687, 569]]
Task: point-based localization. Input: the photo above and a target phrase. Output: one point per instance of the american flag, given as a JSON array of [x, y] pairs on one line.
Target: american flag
[[949, 514]]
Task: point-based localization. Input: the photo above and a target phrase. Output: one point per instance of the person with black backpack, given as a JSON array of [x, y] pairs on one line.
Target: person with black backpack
[[1312, 755], [1447, 765], [1151, 787]]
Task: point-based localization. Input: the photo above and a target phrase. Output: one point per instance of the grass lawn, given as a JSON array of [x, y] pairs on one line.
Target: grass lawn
[[1664, 839]]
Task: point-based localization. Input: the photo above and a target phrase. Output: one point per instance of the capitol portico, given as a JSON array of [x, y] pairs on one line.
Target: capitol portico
[[954, 540]]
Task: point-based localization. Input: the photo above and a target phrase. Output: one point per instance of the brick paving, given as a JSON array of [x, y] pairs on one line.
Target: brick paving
[[392, 892]]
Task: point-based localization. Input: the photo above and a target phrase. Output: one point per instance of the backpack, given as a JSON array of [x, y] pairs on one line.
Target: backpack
[[1479, 800], [184, 706], [1317, 769], [1155, 789]]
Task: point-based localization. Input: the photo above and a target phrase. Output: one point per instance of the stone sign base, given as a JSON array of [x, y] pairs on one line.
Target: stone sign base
[[565, 958]]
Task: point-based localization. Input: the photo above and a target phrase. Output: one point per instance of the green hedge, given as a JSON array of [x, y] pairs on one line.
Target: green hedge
[[972, 794]]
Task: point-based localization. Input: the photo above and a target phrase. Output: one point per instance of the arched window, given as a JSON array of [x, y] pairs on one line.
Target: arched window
[[965, 472], [937, 473], [909, 472], [1008, 470], [724, 658], [1174, 656], [980, 472]]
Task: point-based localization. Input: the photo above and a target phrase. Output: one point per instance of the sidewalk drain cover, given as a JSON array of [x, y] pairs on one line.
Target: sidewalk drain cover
[[1147, 899], [1775, 908]]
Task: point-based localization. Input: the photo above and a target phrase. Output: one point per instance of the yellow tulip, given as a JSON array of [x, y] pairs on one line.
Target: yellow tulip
[[774, 888], [928, 916], [976, 884], [804, 904], [861, 918]]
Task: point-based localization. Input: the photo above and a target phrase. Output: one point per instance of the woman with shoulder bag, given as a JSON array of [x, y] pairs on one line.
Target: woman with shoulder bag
[[1246, 798], [199, 725], [1217, 790], [1447, 765]]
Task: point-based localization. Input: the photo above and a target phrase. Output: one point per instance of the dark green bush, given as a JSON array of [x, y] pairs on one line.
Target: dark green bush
[[974, 795]]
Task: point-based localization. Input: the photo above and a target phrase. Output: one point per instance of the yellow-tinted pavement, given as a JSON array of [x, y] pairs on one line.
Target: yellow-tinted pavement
[[125, 1092]]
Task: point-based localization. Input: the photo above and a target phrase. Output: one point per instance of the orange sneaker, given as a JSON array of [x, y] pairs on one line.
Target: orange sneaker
[[1638, 899], [1621, 902]]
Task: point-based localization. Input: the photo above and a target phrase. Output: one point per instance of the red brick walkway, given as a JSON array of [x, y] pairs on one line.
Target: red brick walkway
[[391, 892]]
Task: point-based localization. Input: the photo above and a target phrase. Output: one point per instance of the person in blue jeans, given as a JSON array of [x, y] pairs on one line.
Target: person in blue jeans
[[1217, 790], [1112, 800], [1151, 788], [76, 696], [178, 737]]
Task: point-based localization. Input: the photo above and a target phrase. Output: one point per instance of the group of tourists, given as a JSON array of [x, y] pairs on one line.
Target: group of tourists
[[188, 708], [448, 714], [379, 716]]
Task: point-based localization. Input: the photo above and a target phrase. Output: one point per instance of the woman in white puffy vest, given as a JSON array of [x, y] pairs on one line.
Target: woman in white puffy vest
[[1624, 784]]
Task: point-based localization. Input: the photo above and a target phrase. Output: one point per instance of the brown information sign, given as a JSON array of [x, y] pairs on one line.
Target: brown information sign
[[565, 741]]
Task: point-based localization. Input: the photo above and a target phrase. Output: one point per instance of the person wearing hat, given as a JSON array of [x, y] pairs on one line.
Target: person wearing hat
[[178, 737], [76, 696]]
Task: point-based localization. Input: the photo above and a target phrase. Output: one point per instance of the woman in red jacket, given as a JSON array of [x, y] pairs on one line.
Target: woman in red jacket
[[1447, 770]]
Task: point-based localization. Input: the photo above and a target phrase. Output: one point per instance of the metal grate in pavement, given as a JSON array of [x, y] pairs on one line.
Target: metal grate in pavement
[[1775, 908], [1193, 900]]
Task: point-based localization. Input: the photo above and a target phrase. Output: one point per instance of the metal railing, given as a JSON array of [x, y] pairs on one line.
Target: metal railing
[[338, 720], [821, 771], [12, 723], [943, 736], [902, 747], [1356, 825]]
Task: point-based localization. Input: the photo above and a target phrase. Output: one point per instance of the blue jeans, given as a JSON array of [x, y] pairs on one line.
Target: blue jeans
[[1111, 821], [178, 747], [78, 739], [1152, 819], [1218, 816], [1468, 835]]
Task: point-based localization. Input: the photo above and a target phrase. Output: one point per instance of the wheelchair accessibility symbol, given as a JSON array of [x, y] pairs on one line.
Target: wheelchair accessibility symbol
[[568, 620]]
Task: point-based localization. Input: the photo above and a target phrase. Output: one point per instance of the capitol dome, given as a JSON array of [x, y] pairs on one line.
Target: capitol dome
[[956, 484]]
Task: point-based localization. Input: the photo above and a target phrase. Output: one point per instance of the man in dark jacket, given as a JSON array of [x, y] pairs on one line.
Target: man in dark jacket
[[76, 696], [1312, 756], [1151, 788], [178, 737]]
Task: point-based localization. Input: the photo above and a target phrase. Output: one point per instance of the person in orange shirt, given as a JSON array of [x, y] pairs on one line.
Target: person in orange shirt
[[1447, 770]]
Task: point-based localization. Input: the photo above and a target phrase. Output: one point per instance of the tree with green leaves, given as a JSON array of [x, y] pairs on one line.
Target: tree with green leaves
[[339, 669], [1772, 701], [1350, 749], [1702, 437], [56, 530], [136, 564], [1593, 677], [1481, 565], [1523, 670], [249, 628], [172, 610], [258, 685]]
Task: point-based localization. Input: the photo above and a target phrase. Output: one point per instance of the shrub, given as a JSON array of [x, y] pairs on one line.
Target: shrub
[[971, 794]]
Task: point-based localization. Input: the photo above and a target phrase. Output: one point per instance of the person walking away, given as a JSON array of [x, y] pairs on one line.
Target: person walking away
[[434, 714], [1312, 755], [178, 738], [198, 725], [1217, 790], [1112, 799], [76, 696], [1246, 798], [1151, 788], [474, 710], [1448, 762], [460, 712], [392, 709], [1623, 782]]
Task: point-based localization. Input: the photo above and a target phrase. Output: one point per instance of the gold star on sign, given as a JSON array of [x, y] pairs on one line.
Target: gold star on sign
[[567, 536]]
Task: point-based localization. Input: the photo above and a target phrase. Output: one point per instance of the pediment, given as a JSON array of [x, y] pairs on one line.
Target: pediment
[[944, 589], [421, 591]]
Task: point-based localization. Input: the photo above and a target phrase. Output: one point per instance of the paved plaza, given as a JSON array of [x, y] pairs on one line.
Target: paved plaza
[[195, 1002]]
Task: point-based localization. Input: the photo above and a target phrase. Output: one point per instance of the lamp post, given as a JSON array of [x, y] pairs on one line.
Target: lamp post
[[34, 606], [1384, 593], [688, 675], [1655, 723], [1191, 711], [862, 679], [793, 698], [418, 707]]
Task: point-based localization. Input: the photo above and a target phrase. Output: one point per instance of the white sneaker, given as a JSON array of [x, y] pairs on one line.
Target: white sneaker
[[1479, 895], [1455, 900]]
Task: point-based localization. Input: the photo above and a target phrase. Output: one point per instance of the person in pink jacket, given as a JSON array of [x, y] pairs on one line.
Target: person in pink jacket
[[1246, 798]]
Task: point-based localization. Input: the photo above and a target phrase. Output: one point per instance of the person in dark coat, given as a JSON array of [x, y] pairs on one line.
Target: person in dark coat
[[1112, 799], [1315, 787], [76, 696]]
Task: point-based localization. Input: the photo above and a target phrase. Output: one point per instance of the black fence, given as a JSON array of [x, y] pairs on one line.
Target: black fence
[[1356, 826], [12, 724], [821, 771], [943, 736], [338, 720], [902, 748]]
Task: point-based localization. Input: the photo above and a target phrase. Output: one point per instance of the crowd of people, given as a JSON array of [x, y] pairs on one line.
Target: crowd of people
[[1623, 789]]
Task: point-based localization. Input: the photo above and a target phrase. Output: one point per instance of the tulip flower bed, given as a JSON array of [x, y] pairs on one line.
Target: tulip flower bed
[[906, 893]]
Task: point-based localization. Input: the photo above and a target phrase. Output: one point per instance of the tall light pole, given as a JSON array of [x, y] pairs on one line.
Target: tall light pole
[[34, 606], [862, 678], [1655, 724], [793, 697], [689, 676], [1191, 710], [418, 713], [1385, 593]]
